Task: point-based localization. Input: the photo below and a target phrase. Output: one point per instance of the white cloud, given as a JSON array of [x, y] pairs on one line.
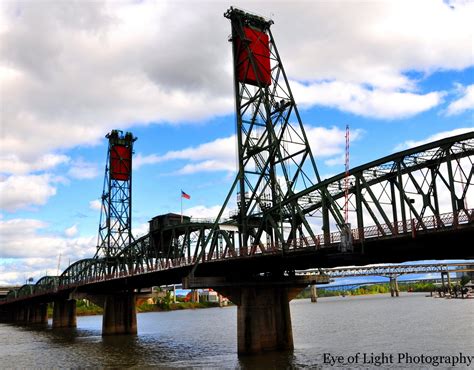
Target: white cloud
[[217, 155], [354, 98], [95, 205], [221, 154], [440, 135], [141, 230], [12, 164], [372, 42], [336, 161], [71, 231], [81, 169], [201, 211], [102, 65], [465, 102], [29, 250], [326, 142], [17, 192]]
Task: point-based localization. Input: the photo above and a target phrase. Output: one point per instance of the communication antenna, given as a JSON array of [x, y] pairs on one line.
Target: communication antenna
[[59, 264], [346, 180]]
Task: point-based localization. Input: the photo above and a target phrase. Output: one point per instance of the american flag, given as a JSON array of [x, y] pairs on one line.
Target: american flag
[[184, 195]]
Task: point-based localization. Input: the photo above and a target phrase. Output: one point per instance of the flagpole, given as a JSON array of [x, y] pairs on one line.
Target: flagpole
[[181, 206]]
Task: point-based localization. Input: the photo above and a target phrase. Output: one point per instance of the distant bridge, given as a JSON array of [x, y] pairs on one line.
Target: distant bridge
[[391, 270]]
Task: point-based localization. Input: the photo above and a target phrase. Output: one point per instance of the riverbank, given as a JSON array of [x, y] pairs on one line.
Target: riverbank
[[87, 308], [419, 287]]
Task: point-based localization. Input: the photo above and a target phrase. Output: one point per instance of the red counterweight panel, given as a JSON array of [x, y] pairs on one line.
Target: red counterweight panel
[[120, 162], [260, 49]]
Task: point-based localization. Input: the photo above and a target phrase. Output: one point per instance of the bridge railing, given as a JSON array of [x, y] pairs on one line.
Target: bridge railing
[[401, 228]]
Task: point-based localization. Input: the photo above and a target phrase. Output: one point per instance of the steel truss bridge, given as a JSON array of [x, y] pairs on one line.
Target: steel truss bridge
[[416, 204], [417, 173]]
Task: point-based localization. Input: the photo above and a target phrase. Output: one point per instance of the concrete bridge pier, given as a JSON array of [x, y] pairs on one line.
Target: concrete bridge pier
[[10, 314], [394, 290], [120, 314], [263, 319], [64, 313], [21, 314], [314, 294], [263, 309], [446, 284], [38, 314]]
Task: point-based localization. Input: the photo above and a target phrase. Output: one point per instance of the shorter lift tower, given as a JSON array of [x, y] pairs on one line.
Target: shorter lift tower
[[115, 228]]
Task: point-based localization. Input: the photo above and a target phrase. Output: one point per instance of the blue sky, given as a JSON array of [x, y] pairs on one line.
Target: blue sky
[[399, 73]]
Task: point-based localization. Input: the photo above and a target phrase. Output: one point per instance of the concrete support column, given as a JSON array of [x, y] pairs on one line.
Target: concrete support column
[[195, 296], [38, 314], [263, 317], [393, 285], [22, 314], [449, 282], [263, 307], [314, 293], [64, 313], [120, 314], [443, 286], [263, 320]]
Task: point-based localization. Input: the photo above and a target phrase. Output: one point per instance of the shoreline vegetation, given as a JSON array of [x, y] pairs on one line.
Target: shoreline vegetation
[[418, 287], [87, 308]]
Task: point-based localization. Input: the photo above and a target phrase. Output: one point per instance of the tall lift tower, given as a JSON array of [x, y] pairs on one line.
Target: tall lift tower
[[274, 156], [115, 228]]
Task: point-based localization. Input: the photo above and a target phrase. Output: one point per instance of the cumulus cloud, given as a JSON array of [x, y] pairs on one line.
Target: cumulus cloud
[[440, 135], [95, 205], [22, 191], [71, 231], [217, 155], [115, 64], [106, 70], [354, 98], [25, 238], [29, 251], [81, 170], [373, 42], [221, 154], [201, 211], [12, 164], [463, 103], [326, 142]]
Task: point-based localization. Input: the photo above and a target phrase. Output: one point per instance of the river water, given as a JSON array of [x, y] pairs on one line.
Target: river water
[[418, 328]]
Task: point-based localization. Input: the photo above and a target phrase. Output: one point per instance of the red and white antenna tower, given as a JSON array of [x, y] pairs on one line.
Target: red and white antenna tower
[[346, 180]]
